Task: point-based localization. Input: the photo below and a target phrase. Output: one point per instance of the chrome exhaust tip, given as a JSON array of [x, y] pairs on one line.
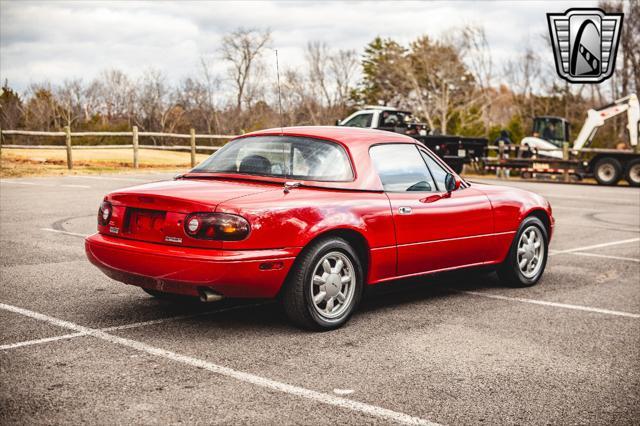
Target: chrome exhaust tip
[[206, 295]]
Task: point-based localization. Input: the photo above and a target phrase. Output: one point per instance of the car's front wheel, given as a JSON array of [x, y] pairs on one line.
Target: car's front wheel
[[324, 286], [527, 255]]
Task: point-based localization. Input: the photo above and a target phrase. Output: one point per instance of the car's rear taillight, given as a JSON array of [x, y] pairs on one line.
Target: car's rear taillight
[[104, 213], [216, 226]]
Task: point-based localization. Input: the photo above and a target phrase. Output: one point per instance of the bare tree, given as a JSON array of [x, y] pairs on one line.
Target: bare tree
[[522, 75], [475, 47], [317, 55], [344, 67], [243, 48], [211, 84], [92, 100], [70, 99], [40, 109], [153, 105], [116, 93]]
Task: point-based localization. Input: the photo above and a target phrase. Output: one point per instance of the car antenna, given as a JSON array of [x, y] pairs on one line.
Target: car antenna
[[287, 185], [279, 96]]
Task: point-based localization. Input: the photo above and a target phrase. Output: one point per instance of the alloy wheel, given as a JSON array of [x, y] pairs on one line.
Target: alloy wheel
[[333, 285], [530, 251]]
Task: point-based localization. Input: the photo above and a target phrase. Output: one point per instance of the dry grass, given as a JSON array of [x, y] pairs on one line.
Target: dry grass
[[47, 162]]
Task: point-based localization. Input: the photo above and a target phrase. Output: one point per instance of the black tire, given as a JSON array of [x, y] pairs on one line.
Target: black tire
[[607, 171], [632, 173], [296, 296], [509, 271]]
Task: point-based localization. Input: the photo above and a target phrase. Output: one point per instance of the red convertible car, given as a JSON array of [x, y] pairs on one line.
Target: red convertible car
[[313, 215]]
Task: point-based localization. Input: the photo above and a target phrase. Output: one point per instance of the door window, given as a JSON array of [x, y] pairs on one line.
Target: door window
[[361, 120], [437, 171], [401, 168]]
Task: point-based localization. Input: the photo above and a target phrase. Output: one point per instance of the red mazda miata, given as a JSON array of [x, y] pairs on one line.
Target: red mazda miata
[[312, 215]]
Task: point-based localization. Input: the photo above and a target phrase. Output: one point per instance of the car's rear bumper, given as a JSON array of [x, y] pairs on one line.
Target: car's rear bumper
[[237, 273]]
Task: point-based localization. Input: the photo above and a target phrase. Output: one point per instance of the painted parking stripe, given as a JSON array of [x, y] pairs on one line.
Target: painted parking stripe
[[604, 256], [126, 326], [608, 200], [75, 186], [58, 231], [102, 177], [595, 246], [17, 182], [553, 304], [48, 185], [40, 341], [324, 398]]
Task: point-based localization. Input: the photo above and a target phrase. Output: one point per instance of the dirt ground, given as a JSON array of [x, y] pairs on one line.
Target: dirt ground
[[53, 162]]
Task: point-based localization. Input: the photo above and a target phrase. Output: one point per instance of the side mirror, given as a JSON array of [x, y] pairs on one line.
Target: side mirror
[[451, 182], [337, 122]]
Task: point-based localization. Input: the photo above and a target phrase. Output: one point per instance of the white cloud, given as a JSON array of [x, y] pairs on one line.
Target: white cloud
[[60, 40]]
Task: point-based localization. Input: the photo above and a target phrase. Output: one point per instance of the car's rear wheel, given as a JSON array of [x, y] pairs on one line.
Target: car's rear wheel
[[527, 255], [324, 286]]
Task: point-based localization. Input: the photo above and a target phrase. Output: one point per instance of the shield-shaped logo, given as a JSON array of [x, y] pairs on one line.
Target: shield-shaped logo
[[585, 43]]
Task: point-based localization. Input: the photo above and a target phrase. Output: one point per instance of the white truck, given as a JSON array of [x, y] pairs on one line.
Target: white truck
[[456, 151]]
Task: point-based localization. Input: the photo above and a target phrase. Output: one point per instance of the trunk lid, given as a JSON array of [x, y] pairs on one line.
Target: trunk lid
[[155, 212]]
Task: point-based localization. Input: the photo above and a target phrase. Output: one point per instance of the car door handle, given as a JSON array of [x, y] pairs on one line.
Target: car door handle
[[404, 210]]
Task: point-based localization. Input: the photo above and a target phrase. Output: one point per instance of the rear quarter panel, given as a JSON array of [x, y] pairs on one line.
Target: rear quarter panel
[[510, 207], [294, 219]]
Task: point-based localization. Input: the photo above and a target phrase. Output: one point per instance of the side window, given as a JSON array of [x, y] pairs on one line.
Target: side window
[[437, 171], [361, 120], [401, 168]]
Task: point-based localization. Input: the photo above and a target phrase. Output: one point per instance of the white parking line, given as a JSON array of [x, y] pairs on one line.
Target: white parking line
[[604, 256], [126, 326], [48, 185], [17, 182], [102, 177], [75, 186], [64, 232], [553, 304], [264, 382], [595, 246], [592, 199], [40, 341]]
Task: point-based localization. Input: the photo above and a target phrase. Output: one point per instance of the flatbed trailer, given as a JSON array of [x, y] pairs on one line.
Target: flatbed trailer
[[456, 151], [606, 166]]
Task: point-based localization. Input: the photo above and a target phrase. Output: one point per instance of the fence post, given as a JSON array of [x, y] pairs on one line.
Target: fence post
[[500, 171], [135, 147], [192, 132], [565, 157], [67, 131]]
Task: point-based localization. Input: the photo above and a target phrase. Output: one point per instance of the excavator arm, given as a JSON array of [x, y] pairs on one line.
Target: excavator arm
[[597, 118]]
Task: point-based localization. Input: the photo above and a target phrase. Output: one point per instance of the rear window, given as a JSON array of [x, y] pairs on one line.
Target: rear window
[[281, 156]]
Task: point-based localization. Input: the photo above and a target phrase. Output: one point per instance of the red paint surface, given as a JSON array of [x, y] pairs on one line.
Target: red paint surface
[[473, 225]]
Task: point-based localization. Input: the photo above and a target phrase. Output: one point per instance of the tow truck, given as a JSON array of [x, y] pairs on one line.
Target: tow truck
[[456, 151], [547, 151]]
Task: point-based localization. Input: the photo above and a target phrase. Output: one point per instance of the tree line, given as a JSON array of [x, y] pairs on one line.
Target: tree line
[[451, 83]]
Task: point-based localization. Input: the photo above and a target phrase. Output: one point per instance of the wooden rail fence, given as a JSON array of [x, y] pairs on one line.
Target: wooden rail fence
[[134, 145]]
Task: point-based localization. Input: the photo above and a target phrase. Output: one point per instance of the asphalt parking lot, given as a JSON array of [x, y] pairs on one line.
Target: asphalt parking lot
[[77, 347]]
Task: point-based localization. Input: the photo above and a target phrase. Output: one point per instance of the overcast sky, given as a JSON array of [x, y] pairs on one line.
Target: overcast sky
[[59, 40]]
